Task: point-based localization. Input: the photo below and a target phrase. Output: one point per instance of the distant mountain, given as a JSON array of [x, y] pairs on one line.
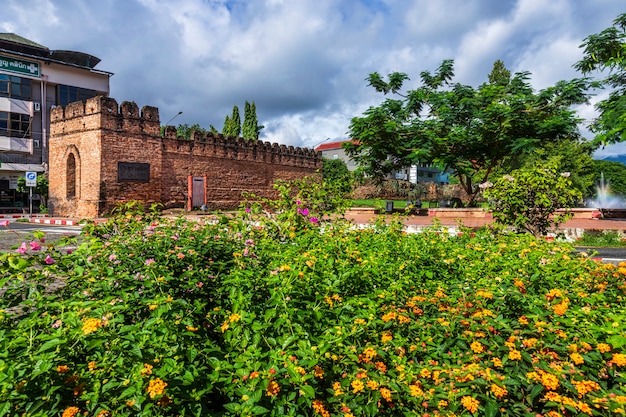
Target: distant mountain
[[616, 158]]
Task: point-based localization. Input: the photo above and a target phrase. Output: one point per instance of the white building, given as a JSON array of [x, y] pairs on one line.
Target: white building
[[414, 174], [33, 79]]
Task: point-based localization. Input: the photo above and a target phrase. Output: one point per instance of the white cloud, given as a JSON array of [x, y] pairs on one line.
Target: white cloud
[[304, 63]]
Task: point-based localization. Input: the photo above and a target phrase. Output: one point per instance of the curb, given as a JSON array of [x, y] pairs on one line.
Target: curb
[[22, 216], [55, 222]]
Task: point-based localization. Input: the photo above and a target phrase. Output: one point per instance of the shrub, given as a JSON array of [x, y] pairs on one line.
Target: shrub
[[165, 317], [529, 198]]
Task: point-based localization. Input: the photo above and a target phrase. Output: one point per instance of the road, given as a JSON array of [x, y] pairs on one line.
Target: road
[[608, 255], [16, 232]]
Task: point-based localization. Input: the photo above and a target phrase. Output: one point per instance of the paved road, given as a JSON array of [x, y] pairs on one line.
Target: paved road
[[612, 255], [16, 232]]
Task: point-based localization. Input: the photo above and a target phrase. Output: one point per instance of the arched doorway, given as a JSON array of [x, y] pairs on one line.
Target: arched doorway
[[70, 176]]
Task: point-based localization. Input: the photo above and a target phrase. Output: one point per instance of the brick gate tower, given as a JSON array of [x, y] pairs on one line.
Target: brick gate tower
[[103, 154]]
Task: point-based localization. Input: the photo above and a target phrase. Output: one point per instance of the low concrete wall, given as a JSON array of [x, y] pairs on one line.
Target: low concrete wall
[[459, 213], [479, 213]]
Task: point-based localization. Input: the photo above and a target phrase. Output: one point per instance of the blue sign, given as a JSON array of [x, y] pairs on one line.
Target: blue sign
[[31, 179]]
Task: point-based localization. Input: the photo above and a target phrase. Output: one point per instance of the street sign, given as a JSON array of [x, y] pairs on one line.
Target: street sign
[[19, 66], [31, 179]]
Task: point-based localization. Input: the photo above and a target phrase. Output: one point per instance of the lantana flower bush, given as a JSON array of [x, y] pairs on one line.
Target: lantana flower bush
[[154, 316]]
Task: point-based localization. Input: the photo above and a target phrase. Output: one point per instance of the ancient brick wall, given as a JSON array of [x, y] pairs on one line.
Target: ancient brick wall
[[120, 156]]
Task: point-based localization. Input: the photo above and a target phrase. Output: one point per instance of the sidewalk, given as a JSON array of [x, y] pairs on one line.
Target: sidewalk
[[423, 221]]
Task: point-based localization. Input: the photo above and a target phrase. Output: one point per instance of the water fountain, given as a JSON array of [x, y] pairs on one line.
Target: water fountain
[[610, 205]]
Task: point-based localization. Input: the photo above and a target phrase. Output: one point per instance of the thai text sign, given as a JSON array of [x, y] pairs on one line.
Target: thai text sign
[[19, 66], [133, 172]]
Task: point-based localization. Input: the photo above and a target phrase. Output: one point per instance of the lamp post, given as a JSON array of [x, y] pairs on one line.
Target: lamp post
[[175, 116], [315, 146]]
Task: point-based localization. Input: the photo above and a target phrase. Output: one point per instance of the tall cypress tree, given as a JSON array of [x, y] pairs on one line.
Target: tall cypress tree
[[227, 129], [255, 122], [235, 120], [247, 130]]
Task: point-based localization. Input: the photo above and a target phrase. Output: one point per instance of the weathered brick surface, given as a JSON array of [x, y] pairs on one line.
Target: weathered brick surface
[[100, 134]]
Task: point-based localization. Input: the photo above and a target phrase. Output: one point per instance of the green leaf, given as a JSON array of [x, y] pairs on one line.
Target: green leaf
[[188, 378], [288, 341], [5, 408], [41, 366], [534, 392], [191, 354], [257, 410], [256, 396], [136, 352], [617, 341], [51, 344], [17, 263], [308, 391], [491, 409], [128, 392], [232, 407]]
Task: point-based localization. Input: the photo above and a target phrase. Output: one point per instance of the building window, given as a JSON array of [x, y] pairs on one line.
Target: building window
[[15, 87], [67, 94], [70, 176], [15, 125]]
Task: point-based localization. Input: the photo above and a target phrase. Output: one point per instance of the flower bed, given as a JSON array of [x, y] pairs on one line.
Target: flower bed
[[158, 317]]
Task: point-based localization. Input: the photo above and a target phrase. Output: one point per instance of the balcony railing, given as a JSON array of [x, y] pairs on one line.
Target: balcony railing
[[9, 144]]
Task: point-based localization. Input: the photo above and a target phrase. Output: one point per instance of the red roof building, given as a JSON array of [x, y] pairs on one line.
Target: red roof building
[[335, 150]]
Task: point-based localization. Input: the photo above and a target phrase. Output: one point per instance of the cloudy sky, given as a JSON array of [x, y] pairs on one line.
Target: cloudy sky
[[304, 62]]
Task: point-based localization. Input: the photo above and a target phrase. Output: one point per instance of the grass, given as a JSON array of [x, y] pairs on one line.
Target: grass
[[380, 203], [602, 239]]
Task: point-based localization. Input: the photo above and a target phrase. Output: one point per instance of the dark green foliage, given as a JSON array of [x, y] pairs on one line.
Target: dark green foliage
[[41, 188], [601, 238], [471, 131], [232, 124], [573, 156], [250, 128], [529, 198], [336, 171], [614, 173], [185, 130], [605, 51]]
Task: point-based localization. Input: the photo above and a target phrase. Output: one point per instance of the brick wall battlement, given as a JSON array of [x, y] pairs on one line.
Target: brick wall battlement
[[103, 154], [104, 113]]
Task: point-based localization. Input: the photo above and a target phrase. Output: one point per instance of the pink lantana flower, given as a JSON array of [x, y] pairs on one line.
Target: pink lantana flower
[[49, 260], [4, 223], [314, 220], [22, 249], [35, 246]]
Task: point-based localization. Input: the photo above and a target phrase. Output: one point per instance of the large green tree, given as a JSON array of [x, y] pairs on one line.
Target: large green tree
[[471, 131], [606, 51]]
